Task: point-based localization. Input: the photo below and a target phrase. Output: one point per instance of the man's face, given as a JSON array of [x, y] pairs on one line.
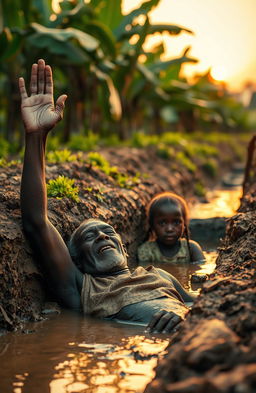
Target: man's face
[[101, 249]]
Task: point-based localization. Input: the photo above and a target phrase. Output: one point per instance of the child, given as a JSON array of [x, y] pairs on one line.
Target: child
[[169, 236]]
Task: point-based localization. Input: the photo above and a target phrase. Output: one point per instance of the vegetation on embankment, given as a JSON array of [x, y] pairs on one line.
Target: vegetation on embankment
[[114, 184]]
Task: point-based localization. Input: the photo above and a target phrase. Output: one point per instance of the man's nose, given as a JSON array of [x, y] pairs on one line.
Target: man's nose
[[101, 235]]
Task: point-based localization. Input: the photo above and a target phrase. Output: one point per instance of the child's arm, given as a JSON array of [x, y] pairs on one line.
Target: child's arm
[[197, 254]]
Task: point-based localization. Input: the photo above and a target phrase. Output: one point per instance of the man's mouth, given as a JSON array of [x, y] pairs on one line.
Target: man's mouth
[[104, 248]]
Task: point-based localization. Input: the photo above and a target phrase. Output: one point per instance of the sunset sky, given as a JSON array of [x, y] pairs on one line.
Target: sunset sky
[[224, 36]]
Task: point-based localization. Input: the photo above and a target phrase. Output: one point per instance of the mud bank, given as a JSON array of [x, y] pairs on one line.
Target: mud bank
[[214, 350], [23, 288]]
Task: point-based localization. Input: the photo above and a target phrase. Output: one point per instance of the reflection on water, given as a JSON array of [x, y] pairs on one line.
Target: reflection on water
[[183, 272], [69, 354], [222, 203]]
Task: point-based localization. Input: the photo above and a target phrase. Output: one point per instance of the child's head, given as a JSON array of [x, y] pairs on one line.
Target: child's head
[[168, 218]]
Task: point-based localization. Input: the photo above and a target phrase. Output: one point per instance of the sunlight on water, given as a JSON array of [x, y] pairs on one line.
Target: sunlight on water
[[183, 272], [223, 203], [103, 368]]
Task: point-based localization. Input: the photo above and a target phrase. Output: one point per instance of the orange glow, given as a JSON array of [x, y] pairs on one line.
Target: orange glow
[[224, 37], [219, 74]]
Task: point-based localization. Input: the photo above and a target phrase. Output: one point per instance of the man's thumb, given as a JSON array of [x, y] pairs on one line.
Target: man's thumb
[[60, 104]]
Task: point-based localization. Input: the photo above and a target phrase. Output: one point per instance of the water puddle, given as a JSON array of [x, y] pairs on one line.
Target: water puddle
[[69, 353]]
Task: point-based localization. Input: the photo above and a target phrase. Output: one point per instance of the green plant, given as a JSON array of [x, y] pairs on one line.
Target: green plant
[[165, 151], [62, 187], [210, 167], [4, 147], [53, 143], [174, 139], [139, 139], [5, 163], [98, 160], [123, 180], [83, 143], [199, 188], [60, 156], [185, 161], [96, 192], [199, 149]]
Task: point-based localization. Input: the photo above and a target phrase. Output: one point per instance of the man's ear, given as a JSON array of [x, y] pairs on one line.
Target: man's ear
[[125, 250]]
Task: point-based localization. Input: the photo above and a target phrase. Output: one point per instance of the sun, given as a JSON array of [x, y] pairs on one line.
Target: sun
[[219, 73]]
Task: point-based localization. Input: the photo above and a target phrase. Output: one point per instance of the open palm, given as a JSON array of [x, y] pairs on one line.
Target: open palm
[[38, 111]]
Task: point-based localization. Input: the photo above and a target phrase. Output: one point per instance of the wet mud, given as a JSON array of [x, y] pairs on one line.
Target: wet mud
[[214, 350]]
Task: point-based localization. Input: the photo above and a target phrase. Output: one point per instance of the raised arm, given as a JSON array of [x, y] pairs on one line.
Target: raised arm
[[39, 116]]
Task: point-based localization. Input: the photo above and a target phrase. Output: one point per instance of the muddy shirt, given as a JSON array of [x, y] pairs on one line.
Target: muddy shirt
[[149, 253], [106, 296]]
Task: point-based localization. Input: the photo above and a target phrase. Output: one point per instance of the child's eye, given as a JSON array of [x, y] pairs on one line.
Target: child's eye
[[177, 222]]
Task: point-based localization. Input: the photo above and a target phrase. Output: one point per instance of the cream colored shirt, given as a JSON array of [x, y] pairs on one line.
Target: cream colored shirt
[[105, 296]]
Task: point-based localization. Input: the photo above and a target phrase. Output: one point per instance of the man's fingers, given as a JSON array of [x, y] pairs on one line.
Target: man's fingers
[[172, 323], [22, 87], [155, 320], [48, 80], [168, 319], [163, 321], [33, 79], [41, 77]]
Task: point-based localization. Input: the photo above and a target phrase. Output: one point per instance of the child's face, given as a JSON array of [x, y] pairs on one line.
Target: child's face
[[168, 224]]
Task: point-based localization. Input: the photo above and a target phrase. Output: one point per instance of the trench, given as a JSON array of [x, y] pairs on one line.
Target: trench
[[67, 353]]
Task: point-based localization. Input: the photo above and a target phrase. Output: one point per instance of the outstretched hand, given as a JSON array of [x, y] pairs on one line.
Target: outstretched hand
[[38, 111]]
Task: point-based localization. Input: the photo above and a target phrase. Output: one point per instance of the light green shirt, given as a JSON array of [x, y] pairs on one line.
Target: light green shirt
[[149, 253]]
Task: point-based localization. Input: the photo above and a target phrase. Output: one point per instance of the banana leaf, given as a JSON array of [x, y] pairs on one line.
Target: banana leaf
[[87, 42], [155, 28], [127, 20]]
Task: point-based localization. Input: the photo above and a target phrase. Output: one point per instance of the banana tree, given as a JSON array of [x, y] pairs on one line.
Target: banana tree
[[81, 55]]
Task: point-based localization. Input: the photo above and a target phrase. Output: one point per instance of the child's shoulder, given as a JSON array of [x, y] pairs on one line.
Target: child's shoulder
[[194, 244], [148, 245], [148, 252]]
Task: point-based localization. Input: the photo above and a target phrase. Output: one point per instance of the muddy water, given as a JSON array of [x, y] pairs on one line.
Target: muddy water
[[68, 353]]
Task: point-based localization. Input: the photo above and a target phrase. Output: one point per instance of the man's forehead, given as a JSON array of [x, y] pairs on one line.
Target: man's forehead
[[96, 225]]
